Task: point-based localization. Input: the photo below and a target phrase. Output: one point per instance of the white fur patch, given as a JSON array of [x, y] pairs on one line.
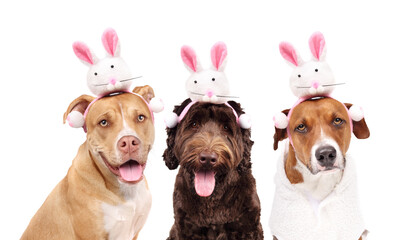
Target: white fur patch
[[124, 221], [317, 187]]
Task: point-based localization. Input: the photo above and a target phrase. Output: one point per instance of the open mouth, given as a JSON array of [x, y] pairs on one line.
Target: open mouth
[[129, 172], [204, 182]]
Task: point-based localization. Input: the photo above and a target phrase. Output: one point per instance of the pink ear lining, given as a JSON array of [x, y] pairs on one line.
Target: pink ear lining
[[218, 54], [82, 52], [189, 57], [110, 41], [317, 44], [287, 51]]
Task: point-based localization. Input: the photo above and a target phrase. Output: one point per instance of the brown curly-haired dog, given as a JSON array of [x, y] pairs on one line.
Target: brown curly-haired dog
[[215, 193]]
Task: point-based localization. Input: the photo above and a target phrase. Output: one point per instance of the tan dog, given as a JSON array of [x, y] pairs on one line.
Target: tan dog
[[104, 195], [316, 186]]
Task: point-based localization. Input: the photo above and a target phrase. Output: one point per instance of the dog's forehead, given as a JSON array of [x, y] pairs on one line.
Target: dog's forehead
[[319, 107], [122, 103], [214, 112]]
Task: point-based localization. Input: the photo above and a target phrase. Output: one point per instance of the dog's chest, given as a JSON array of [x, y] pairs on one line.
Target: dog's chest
[[124, 221]]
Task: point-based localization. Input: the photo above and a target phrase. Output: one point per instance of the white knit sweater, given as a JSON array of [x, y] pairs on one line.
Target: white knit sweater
[[337, 217]]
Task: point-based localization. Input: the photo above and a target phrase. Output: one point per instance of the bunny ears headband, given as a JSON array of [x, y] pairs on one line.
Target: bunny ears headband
[[110, 42], [172, 119], [310, 79], [207, 85], [219, 55], [107, 76]]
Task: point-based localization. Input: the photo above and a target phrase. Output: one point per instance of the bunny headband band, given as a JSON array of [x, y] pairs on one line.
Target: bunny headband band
[[243, 120], [115, 94], [301, 100]]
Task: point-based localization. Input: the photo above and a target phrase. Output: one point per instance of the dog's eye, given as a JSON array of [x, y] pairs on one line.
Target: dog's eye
[[195, 81], [95, 74], [337, 121], [316, 69], [213, 79], [226, 127], [141, 118], [194, 125], [103, 123], [112, 66], [301, 128], [299, 75]]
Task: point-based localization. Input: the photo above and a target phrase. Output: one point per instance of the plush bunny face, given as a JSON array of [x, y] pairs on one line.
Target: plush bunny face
[[311, 78], [110, 74], [207, 85]]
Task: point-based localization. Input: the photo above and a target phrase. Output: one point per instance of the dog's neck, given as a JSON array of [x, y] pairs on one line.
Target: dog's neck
[[314, 187], [87, 164]]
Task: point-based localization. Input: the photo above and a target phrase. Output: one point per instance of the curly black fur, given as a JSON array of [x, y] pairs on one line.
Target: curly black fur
[[232, 211]]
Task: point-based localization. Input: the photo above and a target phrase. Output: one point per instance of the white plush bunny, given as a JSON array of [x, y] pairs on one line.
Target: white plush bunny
[[208, 85], [312, 78], [107, 75], [110, 74]]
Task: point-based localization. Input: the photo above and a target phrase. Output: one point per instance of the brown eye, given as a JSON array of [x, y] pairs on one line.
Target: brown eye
[[103, 123], [194, 125], [301, 128], [226, 127], [337, 121], [141, 118]]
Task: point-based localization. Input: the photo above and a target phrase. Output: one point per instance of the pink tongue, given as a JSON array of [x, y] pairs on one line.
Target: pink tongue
[[131, 171], [204, 183]]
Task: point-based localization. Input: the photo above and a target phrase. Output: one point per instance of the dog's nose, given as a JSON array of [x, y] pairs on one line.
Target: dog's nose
[[208, 158], [128, 144], [326, 156]]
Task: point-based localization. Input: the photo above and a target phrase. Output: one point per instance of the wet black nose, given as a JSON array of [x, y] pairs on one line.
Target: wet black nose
[[326, 156], [208, 158]]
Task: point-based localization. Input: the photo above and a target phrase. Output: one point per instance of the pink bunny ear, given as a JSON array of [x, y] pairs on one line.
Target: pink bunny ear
[[83, 52], [189, 58], [218, 55], [288, 53], [111, 42], [317, 45]]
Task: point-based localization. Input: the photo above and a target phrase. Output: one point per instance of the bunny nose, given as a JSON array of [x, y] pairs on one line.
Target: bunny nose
[[209, 93], [315, 84], [113, 81]]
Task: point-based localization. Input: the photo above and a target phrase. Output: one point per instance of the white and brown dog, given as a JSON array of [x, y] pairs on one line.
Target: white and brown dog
[[315, 195], [104, 194]]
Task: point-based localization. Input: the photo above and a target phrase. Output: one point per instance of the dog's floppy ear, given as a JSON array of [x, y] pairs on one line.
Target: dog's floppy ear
[[169, 156], [360, 128], [145, 91], [76, 109], [245, 163], [280, 134]]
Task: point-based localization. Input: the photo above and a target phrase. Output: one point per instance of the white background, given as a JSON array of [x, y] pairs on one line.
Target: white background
[[40, 76]]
